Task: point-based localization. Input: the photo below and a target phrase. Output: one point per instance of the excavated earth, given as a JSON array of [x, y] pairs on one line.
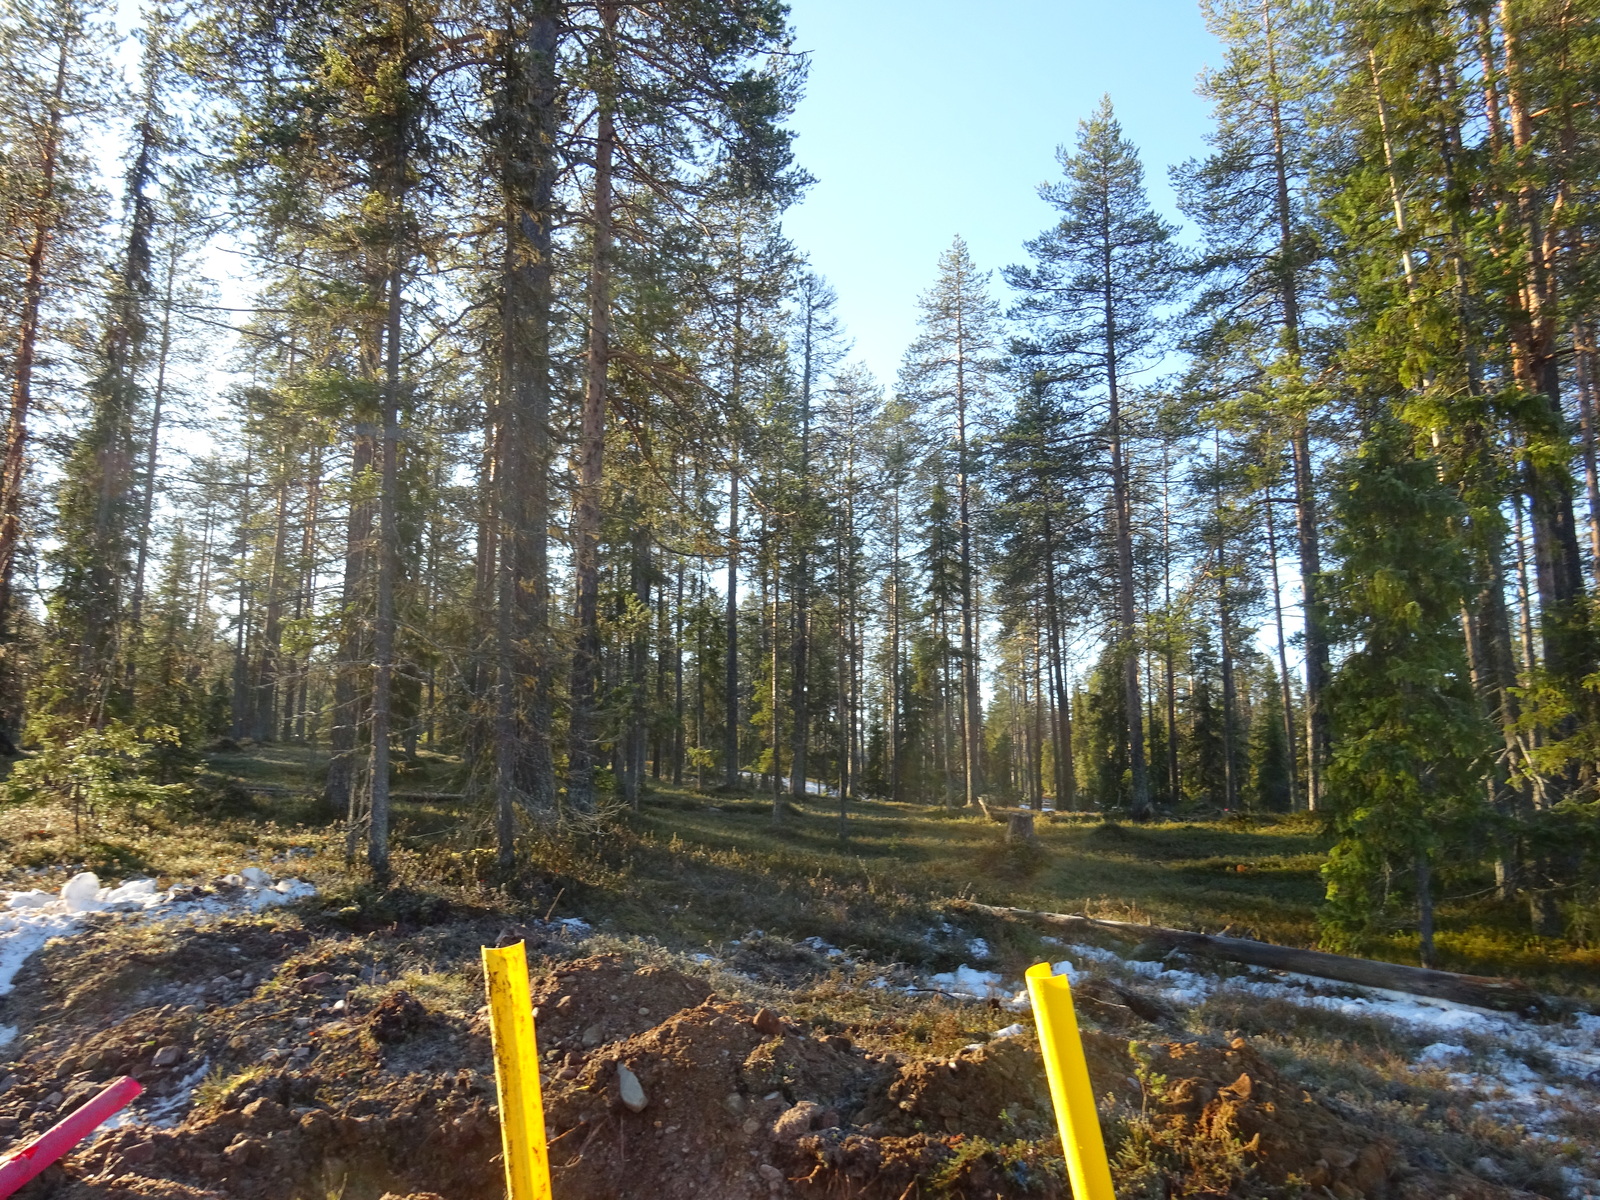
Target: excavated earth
[[284, 1063]]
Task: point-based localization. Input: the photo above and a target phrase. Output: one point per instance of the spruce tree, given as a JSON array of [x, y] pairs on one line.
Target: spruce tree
[[1410, 741]]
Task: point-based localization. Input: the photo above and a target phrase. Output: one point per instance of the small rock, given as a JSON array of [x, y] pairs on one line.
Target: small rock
[[734, 1103], [245, 1150], [592, 1037], [643, 1011], [316, 1121], [139, 1152], [631, 1090], [312, 982], [53, 1099], [795, 1122], [267, 1112], [768, 1022], [751, 1125], [563, 1004], [771, 1174], [166, 1056]]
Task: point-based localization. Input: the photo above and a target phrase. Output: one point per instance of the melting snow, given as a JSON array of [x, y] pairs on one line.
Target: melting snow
[[31, 918], [1509, 1082], [968, 981]]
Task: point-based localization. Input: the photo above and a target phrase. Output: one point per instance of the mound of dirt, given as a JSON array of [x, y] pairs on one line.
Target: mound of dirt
[[588, 1003], [653, 1086], [996, 1090]]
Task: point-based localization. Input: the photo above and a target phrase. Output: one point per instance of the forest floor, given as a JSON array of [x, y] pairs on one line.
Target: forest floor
[[808, 1016]]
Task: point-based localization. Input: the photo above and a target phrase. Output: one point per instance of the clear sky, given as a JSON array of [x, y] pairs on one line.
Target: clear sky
[[928, 118]]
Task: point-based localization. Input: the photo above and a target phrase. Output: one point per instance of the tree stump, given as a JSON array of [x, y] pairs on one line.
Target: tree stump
[[1019, 828]]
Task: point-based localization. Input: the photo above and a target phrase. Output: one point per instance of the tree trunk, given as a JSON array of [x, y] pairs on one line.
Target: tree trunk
[[633, 751], [591, 449], [1424, 874], [730, 688], [265, 707], [1283, 654], [147, 485], [13, 467], [527, 118], [1506, 995], [339, 790], [385, 618], [1127, 648]]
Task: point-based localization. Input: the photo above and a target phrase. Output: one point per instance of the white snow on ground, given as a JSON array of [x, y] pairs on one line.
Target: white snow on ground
[[969, 982], [29, 919], [1522, 1073]]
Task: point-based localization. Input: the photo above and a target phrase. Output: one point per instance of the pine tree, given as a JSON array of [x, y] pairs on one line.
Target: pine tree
[[1255, 203], [950, 370], [54, 61], [1092, 302]]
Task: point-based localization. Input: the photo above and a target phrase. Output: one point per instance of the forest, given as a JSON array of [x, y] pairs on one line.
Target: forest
[[519, 432]]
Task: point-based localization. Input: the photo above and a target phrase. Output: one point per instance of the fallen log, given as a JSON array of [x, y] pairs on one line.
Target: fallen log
[[1480, 991]]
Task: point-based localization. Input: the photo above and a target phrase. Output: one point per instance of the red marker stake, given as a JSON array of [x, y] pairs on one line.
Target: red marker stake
[[54, 1143]]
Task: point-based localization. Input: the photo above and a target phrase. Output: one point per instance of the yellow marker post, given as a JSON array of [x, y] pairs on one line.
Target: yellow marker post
[[516, 1071], [1068, 1073]]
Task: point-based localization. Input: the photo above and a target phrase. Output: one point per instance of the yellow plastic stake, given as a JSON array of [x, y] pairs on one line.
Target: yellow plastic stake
[[516, 1070], [1070, 1089]]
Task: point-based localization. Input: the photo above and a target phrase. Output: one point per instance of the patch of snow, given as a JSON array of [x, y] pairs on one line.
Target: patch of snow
[[1508, 1090], [823, 948], [168, 1111], [81, 893], [978, 948], [968, 981], [1009, 1031], [31, 918], [1065, 967]]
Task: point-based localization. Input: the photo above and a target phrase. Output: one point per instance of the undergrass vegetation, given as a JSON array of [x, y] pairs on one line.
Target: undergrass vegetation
[[697, 869]]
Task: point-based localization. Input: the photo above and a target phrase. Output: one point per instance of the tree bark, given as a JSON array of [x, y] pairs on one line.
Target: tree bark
[[527, 119], [1504, 995], [1127, 648], [591, 445], [45, 225]]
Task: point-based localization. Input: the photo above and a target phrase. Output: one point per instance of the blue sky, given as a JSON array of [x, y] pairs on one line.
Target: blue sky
[[928, 118]]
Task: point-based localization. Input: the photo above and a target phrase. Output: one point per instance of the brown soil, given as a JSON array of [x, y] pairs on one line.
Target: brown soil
[[395, 1100]]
